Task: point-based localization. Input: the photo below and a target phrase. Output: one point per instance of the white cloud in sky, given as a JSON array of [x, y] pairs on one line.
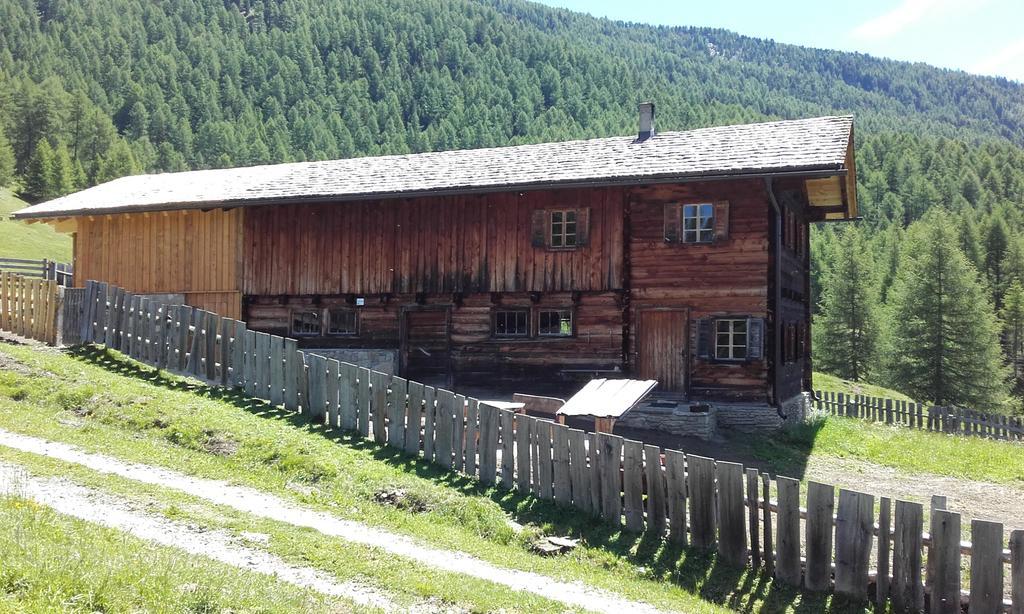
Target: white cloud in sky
[[1008, 61], [906, 14]]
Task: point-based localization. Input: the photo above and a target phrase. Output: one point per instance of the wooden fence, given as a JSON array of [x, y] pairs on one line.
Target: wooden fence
[[856, 544], [956, 420], [44, 269], [29, 307]]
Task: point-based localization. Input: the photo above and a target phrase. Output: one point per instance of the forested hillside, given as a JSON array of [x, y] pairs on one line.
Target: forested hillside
[[94, 90]]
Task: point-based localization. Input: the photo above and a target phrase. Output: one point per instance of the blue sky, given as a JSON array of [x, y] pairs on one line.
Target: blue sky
[[980, 36]]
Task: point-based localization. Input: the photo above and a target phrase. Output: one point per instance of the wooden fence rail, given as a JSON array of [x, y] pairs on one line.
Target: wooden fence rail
[[59, 272], [825, 545], [954, 420], [29, 307]]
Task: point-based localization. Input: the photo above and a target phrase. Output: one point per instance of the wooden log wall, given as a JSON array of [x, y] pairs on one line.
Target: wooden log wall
[[728, 277], [198, 253], [474, 349], [477, 243], [688, 499]]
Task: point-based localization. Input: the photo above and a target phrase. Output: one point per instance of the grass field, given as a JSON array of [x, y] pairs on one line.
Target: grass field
[[31, 241], [104, 403], [831, 383], [52, 563], [910, 450]]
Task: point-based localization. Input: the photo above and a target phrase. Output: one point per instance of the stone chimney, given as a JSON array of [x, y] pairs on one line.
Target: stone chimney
[[646, 121]]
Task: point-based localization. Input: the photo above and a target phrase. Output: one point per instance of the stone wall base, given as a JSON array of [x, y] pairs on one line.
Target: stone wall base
[[742, 417]]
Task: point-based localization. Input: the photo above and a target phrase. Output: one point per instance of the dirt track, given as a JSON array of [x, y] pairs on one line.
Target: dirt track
[[265, 505]]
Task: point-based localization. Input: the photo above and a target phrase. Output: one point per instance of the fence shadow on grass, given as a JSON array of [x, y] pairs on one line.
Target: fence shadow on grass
[[693, 570]]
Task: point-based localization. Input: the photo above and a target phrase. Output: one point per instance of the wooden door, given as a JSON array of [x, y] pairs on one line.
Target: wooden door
[[426, 351], [662, 347]]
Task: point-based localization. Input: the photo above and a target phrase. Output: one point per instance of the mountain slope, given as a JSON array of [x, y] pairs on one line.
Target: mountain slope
[[209, 83]]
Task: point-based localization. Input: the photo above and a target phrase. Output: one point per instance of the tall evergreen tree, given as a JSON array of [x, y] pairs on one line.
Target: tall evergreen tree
[[945, 336], [39, 172], [6, 160], [1012, 316], [847, 328]]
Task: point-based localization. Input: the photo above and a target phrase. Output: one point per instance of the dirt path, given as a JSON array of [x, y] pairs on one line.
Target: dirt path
[[272, 507], [109, 511], [973, 499]]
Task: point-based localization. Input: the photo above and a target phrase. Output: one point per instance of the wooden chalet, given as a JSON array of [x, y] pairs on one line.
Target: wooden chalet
[[675, 256]]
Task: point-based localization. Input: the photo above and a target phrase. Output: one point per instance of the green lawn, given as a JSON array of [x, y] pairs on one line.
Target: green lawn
[[104, 403], [53, 563], [831, 383], [31, 241], [971, 458]]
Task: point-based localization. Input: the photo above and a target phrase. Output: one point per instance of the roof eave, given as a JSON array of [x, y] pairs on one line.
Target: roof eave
[[808, 172]]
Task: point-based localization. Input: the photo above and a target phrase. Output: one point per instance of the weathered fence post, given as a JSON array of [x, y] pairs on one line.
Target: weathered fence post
[[787, 557], [818, 536], [701, 478], [732, 536], [907, 589], [986, 567], [854, 531], [945, 553]]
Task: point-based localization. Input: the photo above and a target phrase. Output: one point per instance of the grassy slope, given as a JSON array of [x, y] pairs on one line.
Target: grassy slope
[[55, 563], [32, 241], [831, 383], [171, 423], [970, 458]]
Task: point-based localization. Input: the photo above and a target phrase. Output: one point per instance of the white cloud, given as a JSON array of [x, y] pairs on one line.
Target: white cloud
[[908, 13], [1006, 62]]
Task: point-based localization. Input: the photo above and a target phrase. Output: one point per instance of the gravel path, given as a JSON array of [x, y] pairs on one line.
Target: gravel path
[[116, 513], [265, 505]]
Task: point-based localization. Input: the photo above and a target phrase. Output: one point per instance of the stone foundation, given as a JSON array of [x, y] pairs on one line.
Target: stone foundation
[[678, 420], [675, 416]]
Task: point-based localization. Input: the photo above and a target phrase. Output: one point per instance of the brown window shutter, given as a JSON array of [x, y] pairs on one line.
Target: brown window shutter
[[539, 235], [705, 337], [721, 220], [755, 338], [583, 226], [673, 219]]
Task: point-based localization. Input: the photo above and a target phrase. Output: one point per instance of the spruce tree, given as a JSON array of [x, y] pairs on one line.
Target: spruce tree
[[945, 336], [39, 172], [1012, 316], [847, 331], [6, 160]]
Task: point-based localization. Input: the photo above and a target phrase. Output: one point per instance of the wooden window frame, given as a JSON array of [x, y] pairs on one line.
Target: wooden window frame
[[572, 322], [698, 209], [329, 320], [731, 345], [562, 235], [291, 321], [494, 323]]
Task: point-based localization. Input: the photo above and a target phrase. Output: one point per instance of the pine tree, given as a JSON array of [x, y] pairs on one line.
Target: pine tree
[[996, 242], [1012, 316], [847, 330], [39, 172], [62, 173], [945, 337], [6, 160], [120, 161]]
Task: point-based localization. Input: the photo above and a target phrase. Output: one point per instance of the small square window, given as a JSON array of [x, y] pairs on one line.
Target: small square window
[[342, 322], [731, 339], [306, 323], [698, 223], [511, 323], [555, 323], [563, 228]]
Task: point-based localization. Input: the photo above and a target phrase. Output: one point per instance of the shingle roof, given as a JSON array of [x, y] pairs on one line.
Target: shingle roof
[[817, 144]]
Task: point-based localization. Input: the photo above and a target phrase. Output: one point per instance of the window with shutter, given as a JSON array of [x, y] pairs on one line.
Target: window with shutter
[[560, 228]]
